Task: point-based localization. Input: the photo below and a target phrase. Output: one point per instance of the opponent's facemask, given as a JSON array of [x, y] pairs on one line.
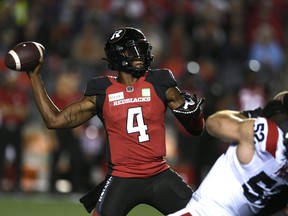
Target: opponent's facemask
[[126, 45]]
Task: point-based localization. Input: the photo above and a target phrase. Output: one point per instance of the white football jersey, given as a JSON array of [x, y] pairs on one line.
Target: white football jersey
[[234, 189]]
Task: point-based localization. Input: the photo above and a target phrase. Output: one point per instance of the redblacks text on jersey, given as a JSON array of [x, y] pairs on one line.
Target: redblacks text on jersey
[[134, 120]]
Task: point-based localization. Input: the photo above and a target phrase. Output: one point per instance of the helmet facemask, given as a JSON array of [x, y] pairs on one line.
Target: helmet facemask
[[130, 46]]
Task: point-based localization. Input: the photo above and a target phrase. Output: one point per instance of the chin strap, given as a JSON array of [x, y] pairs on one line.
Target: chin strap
[[190, 114]]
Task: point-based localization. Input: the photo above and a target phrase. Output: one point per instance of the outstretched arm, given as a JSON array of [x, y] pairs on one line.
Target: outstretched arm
[[230, 126], [72, 116], [225, 125]]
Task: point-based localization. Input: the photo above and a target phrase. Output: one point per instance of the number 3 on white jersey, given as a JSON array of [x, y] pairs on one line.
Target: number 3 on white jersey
[[139, 125]]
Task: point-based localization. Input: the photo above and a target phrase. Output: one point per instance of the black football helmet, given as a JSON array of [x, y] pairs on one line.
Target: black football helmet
[[125, 45]]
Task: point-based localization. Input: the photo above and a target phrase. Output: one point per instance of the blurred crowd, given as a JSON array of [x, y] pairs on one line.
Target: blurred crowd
[[229, 51]]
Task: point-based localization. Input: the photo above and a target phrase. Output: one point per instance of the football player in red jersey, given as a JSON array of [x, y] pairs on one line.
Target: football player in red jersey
[[132, 108]]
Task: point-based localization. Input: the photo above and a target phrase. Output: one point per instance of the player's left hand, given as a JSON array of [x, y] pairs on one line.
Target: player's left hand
[[191, 107]]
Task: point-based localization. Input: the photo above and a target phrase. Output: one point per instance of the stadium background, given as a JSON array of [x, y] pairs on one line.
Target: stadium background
[[231, 52]]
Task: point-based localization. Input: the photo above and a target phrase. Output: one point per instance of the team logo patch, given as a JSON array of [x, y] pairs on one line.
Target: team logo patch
[[116, 96], [130, 89], [146, 92]]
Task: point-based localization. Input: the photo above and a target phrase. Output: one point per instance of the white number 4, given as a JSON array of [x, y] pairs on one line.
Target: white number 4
[[139, 126]]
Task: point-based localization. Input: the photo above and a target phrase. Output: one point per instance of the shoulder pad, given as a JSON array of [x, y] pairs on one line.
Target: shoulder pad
[[97, 86], [162, 77]]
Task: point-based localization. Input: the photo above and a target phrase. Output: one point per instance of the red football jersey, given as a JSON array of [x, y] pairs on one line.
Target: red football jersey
[[134, 119]]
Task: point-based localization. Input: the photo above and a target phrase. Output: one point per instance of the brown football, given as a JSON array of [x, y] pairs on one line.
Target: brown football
[[24, 56]]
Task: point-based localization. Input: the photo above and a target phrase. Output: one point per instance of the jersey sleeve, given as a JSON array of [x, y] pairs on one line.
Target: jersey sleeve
[[97, 86], [266, 136], [163, 78]]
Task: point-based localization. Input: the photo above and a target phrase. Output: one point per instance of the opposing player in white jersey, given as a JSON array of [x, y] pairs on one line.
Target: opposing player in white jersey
[[254, 169]]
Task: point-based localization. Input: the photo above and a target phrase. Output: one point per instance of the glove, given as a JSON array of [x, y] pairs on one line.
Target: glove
[[252, 113], [272, 108], [285, 102], [191, 107]]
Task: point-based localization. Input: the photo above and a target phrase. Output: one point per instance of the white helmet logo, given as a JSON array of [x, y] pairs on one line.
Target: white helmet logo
[[116, 34]]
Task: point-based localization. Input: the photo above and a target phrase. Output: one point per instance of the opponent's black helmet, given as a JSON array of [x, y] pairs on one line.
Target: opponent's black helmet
[[135, 44]]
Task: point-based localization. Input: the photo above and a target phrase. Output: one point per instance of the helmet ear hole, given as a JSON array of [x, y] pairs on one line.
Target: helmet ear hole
[[119, 48]]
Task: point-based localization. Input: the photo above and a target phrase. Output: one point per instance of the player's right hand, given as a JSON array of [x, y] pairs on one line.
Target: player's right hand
[[36, 70]]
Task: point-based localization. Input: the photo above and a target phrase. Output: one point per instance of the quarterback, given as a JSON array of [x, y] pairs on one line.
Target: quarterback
[[132, 107]]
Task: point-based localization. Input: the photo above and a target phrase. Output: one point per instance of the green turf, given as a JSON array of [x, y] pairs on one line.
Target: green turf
[[144, 210], [43, 205]]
